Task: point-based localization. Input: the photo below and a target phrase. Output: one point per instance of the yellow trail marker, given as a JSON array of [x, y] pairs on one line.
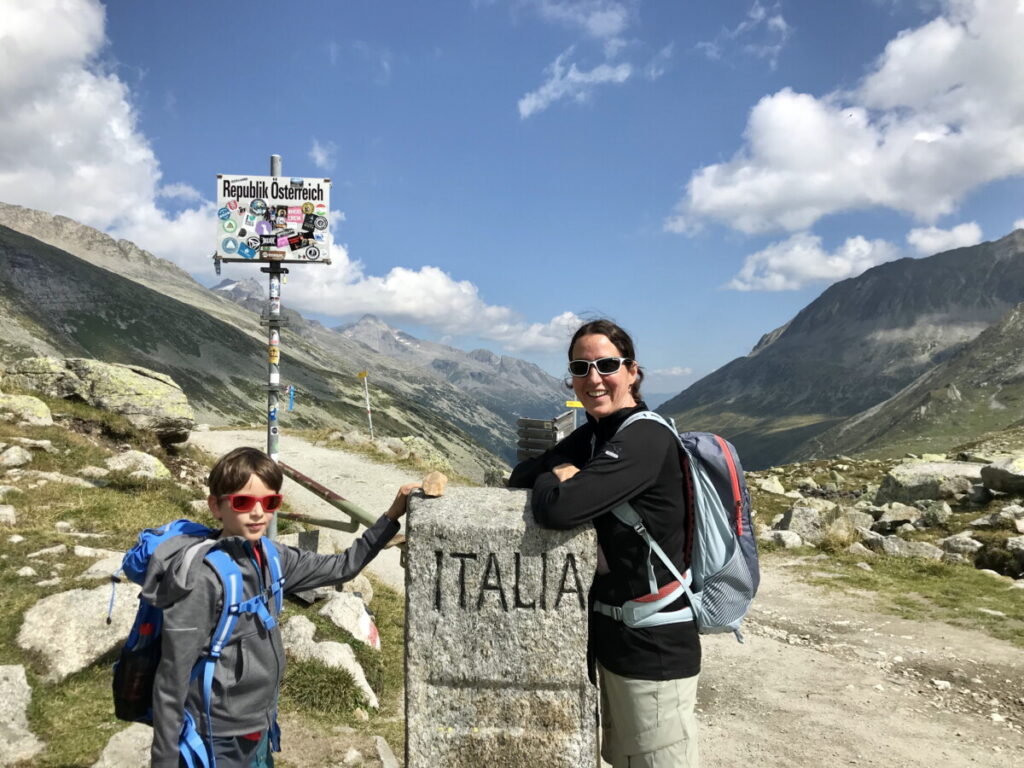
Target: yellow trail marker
[[363, 374], [573, 404]]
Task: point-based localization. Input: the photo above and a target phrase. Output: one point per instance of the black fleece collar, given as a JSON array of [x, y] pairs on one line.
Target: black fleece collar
[[606, 427]]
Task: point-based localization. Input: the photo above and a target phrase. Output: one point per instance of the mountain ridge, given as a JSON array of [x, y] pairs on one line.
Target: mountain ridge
[[859, 343]]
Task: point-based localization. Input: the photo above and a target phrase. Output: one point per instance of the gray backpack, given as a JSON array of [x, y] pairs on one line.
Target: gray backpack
[[723, 575]]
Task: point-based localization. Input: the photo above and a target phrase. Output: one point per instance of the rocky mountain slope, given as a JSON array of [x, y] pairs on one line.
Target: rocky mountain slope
[[506, 385], [858, 344], [119, 304], [979, 389]]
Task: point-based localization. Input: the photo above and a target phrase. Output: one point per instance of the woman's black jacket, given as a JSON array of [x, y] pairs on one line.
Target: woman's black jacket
[[640, 465]]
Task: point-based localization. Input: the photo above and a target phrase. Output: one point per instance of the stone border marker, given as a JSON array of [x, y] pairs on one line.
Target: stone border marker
[[496, 635]]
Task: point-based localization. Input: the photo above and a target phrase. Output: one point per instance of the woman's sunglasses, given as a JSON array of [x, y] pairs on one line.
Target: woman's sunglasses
[[606, 366], [244, 502]]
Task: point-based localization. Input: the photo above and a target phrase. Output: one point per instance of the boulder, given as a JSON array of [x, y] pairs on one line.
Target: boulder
[[1015, 547], [771, 485], [347, 611], [927, 480], [7, 515], [138, 464], [934, 514], [361, 587], [37, 478], [1003, 518], [859, 550], [786, 539], [894, 546], [69, 630], [15, 456], [894, 516], [148, 399], [1005, 475], [803, 520], [859, 518], [298, 640], [17, 743], [961, 544], [128, 748], [26, 409]]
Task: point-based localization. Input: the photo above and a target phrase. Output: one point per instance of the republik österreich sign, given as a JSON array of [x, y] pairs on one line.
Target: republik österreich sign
[[271, 218]]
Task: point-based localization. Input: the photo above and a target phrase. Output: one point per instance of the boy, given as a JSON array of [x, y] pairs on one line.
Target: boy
[[245, 489]]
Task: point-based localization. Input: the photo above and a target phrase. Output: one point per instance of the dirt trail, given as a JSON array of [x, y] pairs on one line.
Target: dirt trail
[[824, 678]]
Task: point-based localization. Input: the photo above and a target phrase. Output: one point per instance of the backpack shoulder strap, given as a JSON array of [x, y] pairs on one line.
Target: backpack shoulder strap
[[230, 576], [649, 416], [276, 576]]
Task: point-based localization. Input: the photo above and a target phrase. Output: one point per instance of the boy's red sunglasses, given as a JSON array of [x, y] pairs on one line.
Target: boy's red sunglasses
[[244, 502]]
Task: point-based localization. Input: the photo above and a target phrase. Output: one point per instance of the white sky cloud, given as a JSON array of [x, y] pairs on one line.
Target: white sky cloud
[[658, 64], [69, 140], [932, 240], [601, 19], [675, 370], [1018, 224], [938, 115], [70, 144], [427, 296], [568, 82], [180, 191], [763, 33], [800, 259], [323, 155]]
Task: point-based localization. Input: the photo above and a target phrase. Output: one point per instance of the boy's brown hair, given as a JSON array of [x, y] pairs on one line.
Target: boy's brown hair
[[233, 470]]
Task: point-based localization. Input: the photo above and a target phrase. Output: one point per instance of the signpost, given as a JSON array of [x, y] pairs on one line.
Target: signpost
[[538, 435], [273, 220], [365, 376]]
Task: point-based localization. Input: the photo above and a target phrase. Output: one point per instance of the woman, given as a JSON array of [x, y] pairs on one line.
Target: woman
[[649, 675]]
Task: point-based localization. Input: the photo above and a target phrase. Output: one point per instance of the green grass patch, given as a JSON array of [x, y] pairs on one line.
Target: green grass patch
[[303, 692], [927, 590]]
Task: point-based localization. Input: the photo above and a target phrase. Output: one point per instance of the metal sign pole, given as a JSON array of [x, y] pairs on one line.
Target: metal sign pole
[[365, 376], [273, 354]]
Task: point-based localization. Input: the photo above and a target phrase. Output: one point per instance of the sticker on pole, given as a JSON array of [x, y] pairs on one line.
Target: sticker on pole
[[275, 207]]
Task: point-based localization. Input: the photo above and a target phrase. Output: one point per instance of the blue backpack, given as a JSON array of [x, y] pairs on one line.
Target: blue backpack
[[724, 574], [135, 669]]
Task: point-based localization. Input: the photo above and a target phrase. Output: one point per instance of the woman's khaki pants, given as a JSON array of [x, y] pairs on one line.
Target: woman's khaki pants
[[648, 723]]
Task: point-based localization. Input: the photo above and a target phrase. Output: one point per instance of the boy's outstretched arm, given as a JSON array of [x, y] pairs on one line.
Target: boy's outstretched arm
[[307, 570]]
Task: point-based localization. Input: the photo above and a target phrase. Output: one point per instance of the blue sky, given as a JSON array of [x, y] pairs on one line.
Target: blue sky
[[698, 171]]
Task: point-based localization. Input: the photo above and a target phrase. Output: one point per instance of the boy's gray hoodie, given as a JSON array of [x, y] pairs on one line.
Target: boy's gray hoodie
[[247, 676]]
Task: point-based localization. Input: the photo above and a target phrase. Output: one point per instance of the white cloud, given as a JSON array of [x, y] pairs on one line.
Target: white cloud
[[427, 296], [675, 370], [69, 140], [930, 240], [1018, 224], [800, 260], [601, 19], [938, 115], [323, 155], [763, 33], [658, 64], [570, 83], [180, 191]]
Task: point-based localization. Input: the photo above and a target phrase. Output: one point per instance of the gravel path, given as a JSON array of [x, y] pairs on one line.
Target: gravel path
[[370, 485]]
